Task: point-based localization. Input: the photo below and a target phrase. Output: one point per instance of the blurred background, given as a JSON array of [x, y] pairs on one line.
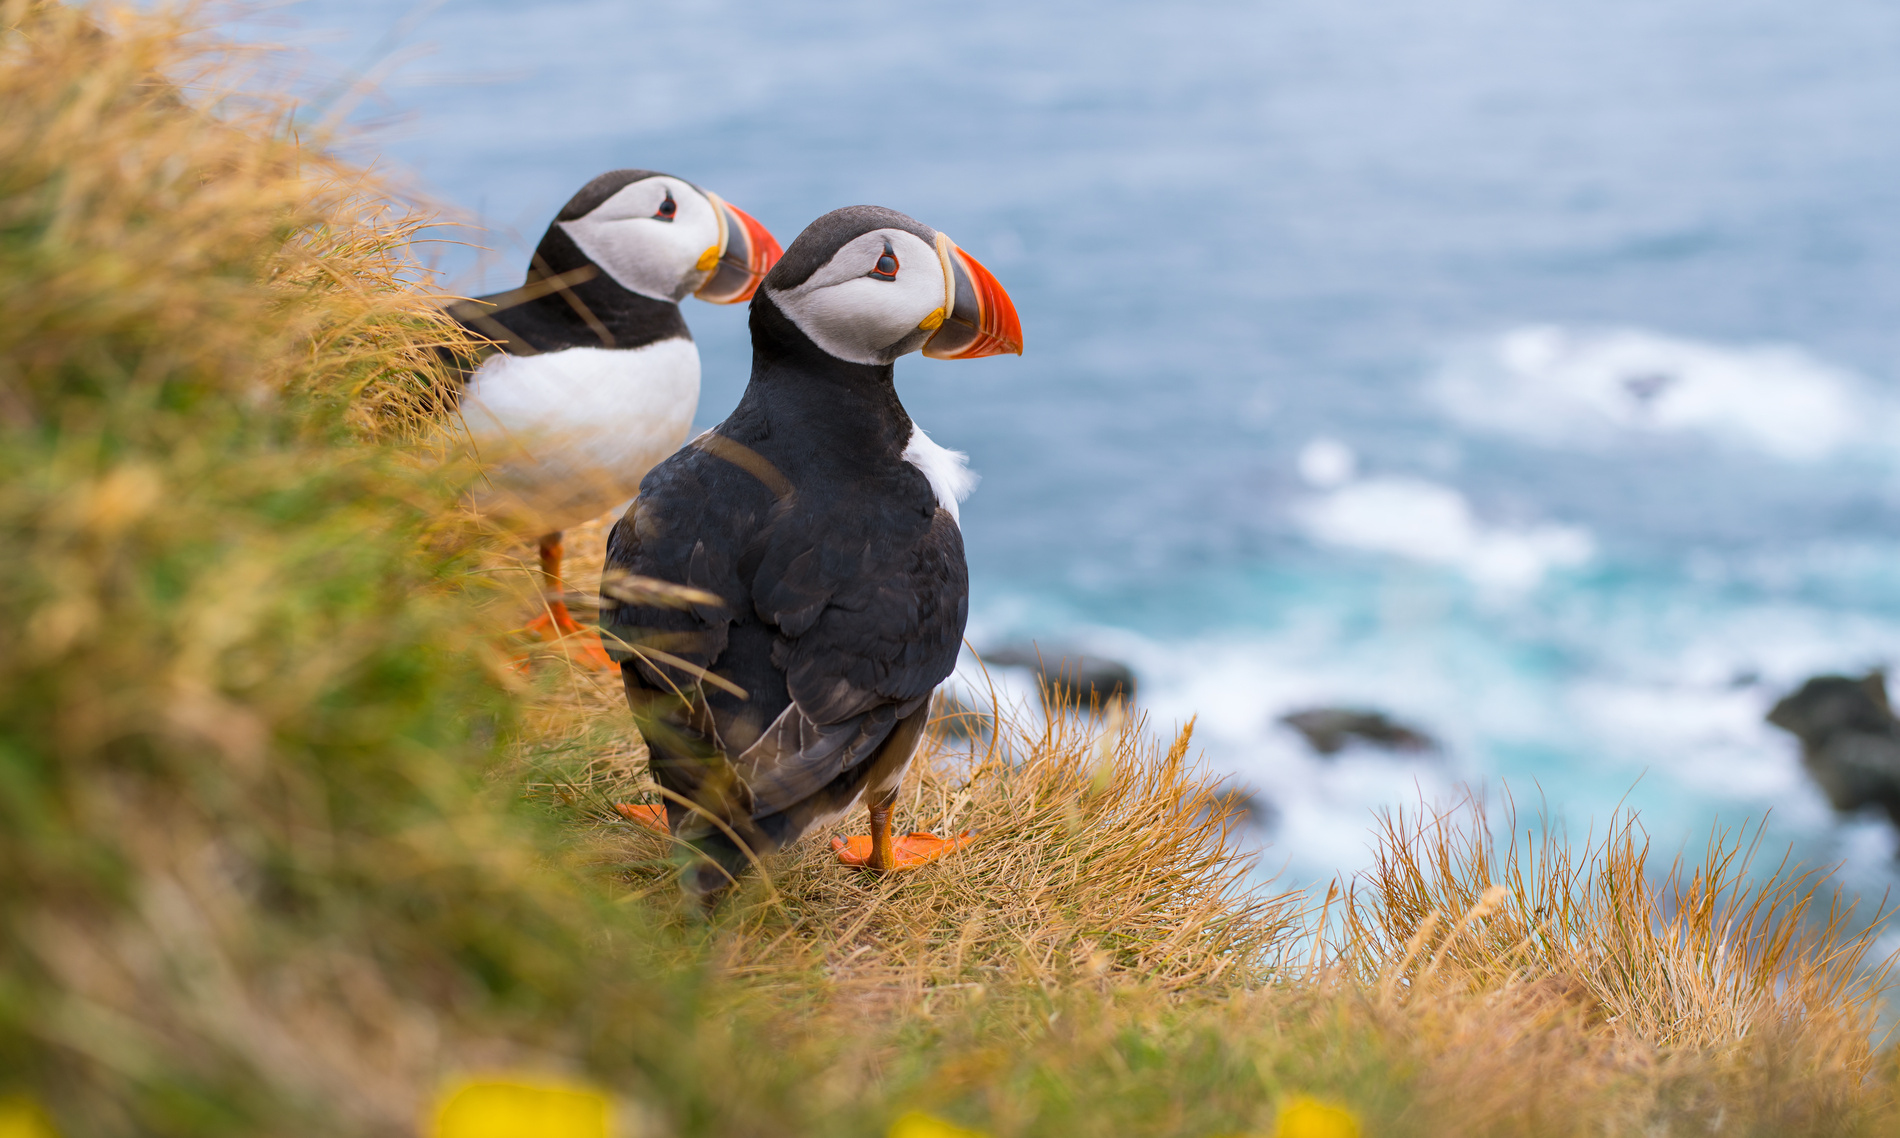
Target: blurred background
[[1522, 372]]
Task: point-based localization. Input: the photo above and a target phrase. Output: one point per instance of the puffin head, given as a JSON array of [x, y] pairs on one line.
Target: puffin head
[[867, 284], [663, 237]]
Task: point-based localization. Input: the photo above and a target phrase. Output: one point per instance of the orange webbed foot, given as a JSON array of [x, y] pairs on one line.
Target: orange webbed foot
[[653, 817], [582, 645], [910, 850]]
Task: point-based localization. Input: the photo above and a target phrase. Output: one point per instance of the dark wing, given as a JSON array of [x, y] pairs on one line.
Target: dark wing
[[690, 526], [885, 634], [836, 622], [890, 621]]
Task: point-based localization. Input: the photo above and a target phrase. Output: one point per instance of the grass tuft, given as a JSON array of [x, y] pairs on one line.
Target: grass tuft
[[1100, 857], [1696, 955]]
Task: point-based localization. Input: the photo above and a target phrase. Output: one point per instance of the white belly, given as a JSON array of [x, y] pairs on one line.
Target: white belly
[[565, 436]]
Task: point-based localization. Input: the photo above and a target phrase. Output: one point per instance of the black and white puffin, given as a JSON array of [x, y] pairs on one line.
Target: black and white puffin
[[789, 588], [597, 376]]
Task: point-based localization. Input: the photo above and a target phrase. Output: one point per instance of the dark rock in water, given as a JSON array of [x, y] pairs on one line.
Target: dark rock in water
[[1850, 740], [1645, 387], [1072, 678], [1249, 809], [1329, 729]]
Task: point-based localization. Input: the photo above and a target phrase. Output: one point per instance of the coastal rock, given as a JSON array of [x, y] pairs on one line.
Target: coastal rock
[[1249, 809], [1850, 740], [1329, 729], [1072, 678]]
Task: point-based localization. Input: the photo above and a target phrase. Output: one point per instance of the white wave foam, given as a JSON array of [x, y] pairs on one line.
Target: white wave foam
[[1323, 808], [1583, 388], [1609, 703], [1428, 522], [1326, 463]]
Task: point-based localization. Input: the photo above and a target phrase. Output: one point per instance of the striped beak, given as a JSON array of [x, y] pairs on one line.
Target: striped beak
[[745, 253], [981, 321]]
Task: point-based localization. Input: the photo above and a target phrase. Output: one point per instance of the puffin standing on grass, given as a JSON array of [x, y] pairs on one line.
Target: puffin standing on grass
[[597, 376], [789, 588]]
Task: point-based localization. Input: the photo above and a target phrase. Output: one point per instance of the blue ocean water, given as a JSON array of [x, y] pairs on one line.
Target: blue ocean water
[[1527, 371]]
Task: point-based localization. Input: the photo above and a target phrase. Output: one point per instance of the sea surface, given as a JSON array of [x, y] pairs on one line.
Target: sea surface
[[1530, 372]]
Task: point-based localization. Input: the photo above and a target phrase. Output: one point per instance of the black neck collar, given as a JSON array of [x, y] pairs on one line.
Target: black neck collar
[[813, 402], [594, 313]]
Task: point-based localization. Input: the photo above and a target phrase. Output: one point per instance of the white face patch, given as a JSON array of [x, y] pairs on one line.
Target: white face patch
[[854, 311], [628, 237]]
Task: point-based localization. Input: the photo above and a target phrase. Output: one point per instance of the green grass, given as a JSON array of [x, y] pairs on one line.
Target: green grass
[[287, 845]]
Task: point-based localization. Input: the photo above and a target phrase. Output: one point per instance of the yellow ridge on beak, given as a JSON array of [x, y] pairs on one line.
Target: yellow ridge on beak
[[745, 253], [977, 318]]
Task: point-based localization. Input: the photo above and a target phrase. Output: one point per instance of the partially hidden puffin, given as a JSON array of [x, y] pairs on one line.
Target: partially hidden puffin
[[597, 377], [789, 588]]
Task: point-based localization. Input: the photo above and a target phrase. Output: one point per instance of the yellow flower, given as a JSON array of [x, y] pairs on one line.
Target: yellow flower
[[23, 1118], [1304, 1117], [917, 1124], [494, 1108]]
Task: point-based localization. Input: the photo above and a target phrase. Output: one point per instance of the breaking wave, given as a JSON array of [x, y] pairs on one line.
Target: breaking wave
[[1435, 524], [1586, 388]]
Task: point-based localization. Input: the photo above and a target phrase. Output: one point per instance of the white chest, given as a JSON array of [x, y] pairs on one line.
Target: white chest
[[603, 401], [582, 424], [951, 478]]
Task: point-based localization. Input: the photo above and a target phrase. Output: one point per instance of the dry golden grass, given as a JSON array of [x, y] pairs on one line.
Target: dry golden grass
[[1698, 955], [1098, 856], [159, 198], [239, 660], [1545, 982], [1527, 987]]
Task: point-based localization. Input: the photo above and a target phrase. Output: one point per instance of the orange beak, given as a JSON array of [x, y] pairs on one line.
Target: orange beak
[[747, 252], [982, 321]]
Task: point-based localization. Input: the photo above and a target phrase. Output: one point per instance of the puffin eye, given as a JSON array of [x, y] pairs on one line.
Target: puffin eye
[[668, 208], [886, 269]]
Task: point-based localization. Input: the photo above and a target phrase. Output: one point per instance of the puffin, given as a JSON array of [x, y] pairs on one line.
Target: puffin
[[594, 376], [789, 588]]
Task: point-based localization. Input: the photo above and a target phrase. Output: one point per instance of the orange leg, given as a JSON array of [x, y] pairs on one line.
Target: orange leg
[[652, 817], [885, 854], [556, 623]]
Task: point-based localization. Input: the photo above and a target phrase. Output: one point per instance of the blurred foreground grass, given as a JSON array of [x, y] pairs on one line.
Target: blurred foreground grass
[[287, 847]]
